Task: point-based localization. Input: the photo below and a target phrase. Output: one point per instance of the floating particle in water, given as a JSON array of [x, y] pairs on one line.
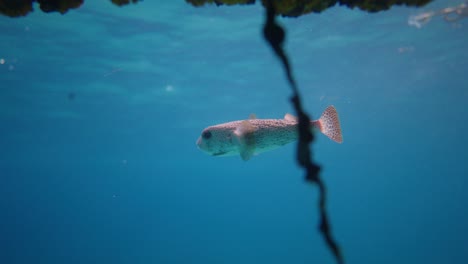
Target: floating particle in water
[[169, 88], [405, 49], [11, 67], [112, 72], [71, 96], [2, 61]]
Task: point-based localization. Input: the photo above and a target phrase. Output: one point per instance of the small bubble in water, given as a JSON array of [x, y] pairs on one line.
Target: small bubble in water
[[169, 88]]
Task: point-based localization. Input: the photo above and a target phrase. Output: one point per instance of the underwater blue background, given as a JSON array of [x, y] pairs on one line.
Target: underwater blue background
[[100, 109]]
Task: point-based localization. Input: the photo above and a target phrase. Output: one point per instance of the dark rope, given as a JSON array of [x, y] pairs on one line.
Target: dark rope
[[275, 35]]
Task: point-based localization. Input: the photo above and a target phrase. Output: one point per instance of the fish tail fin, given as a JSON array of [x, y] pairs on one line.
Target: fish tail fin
[[329, 124]]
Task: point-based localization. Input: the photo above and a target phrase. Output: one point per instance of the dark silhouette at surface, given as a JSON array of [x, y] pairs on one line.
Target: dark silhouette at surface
[[288, 8], [123, 2], [18, 8]]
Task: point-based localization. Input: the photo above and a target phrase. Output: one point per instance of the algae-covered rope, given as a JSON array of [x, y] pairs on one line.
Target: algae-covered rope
[[275, 35]]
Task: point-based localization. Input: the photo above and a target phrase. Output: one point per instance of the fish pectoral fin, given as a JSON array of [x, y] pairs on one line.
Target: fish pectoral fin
[[247, 146], [246, 154], [245, 135], [290, 117]]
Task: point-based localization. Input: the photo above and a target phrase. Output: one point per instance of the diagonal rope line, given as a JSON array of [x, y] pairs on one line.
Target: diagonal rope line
[[275, 35]]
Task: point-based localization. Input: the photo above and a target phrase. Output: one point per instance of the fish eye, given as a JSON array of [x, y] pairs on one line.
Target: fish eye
[[206, 135]]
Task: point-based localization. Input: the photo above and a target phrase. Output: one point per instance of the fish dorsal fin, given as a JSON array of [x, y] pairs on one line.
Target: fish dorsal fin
[[290, 117], [252, 116], [245, 135]]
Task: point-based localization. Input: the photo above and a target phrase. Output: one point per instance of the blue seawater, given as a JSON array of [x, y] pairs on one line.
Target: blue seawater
[[100, 109]]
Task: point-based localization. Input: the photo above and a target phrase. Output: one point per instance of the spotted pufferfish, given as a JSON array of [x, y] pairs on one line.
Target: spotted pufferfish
[[253, 136]]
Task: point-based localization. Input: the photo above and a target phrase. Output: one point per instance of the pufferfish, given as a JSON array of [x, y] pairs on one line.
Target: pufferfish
[[253, 136]]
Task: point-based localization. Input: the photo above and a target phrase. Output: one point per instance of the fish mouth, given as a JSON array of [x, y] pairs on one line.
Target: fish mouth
[[202, 146]]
